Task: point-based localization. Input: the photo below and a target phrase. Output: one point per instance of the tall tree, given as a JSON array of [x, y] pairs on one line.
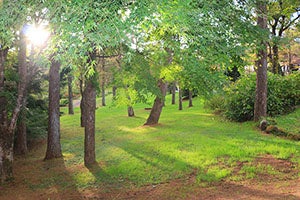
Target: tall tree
[[260, 106], [53, 142]]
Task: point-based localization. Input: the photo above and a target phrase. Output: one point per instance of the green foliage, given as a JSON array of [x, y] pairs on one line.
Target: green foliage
[[283, 96], [240, 97]]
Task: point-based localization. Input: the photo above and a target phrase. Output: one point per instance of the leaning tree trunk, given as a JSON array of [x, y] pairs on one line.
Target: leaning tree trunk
[[89, 128], [53, 143], [173, 91], [260, 106], [180, 99], [7, 130], [190, 98], [158, 104], [70, 95]]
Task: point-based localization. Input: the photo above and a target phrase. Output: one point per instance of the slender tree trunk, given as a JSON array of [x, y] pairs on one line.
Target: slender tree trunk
[[3, 101], [6, 154], [20, 146], [275, 60], [190, 98], [114, 91], [7, 130], [53, 143], [180, 99], [158, 104], [82, 107], [70, 92], [103, 82], [260, 107], [173, 91], [89, 128], [6, 138]]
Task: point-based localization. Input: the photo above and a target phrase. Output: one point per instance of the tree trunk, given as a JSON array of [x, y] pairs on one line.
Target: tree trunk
[[260, 107], [180, 99], [130, 111], [20, 147], [275, 60], [173, 91], [6, 154], [6, 138], [7, 129], [82, 107], [158, 104], [70, 94], [89, 130], [53, 144], [114, 91], [3, 101], [190, 98], [103, 82]]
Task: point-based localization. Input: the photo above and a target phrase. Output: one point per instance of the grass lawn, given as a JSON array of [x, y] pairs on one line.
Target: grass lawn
[[290, 122], [191, 141]]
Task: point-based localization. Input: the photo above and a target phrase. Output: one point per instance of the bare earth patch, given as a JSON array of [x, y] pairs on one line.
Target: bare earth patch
[[284, 184]]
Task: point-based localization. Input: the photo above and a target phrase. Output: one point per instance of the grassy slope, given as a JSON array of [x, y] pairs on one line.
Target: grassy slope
[[188, 141], [290, 122]]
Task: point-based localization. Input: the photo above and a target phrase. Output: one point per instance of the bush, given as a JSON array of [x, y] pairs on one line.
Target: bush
[[283, 96]]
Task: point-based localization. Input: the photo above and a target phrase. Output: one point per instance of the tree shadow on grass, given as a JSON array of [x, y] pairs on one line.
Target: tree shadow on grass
[[57, 182]]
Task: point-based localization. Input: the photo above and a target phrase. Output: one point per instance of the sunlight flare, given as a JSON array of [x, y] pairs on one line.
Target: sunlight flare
[[37, 35]]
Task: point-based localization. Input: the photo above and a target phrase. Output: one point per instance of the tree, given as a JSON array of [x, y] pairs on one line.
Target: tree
[[283, 14], [260, 106], [53, 142]]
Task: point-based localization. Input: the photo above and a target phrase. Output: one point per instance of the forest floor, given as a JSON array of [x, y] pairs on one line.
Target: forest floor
[[265, 187]]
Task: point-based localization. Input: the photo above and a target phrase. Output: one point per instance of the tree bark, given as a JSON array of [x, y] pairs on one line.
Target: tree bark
[[158, 104], [173, 90], [7, 129], [260, 106], [6, 154], [53, 143], [3, 101], [6, 138], [180, 99], [89, 128], [103, 82], [130, 111], [275, 60], [82, 107], [70, 94], [20, 147], [190, 98]]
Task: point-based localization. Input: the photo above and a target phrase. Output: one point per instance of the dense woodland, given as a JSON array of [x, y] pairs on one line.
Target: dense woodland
[[55, 52]]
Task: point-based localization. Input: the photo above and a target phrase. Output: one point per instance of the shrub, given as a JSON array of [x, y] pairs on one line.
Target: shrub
[[283, 96]]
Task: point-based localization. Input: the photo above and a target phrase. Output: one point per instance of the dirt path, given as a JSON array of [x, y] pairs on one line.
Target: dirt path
[[31, 169]]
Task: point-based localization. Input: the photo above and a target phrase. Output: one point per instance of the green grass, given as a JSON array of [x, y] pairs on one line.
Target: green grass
[[184, 142], [290, 122]]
